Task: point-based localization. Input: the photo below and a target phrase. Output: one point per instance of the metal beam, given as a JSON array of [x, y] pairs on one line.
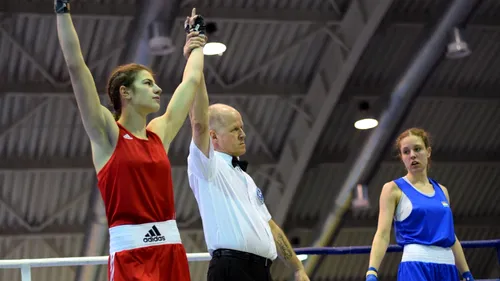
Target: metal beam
[[255, 15], [430, 92], [250, 89], [421, 16], [56, 163], [356, 29], [280, 16], [353, 222], [34, 60], [256, 90], [78, 8], [137, 50], [53, 231], [85, 162], [404, 93], [439, 157], [89, 9], [7, 128]]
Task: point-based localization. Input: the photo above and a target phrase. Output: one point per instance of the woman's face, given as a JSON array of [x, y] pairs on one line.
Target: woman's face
[[145, 94], [414, 154]]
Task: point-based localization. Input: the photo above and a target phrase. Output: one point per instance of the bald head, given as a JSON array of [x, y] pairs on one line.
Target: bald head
[[219, 115], [226, 129]]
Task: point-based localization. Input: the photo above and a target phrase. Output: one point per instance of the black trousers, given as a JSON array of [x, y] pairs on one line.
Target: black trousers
[[231, 265]]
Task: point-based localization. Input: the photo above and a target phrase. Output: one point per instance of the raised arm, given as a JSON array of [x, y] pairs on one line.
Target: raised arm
[[97, 120], [169, 124], [387, 202], [199, 119]]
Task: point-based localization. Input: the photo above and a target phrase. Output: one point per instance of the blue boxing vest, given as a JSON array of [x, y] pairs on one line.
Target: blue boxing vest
[[430, 221]]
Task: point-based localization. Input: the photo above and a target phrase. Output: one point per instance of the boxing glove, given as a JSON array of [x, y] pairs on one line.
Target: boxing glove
[[371, 274], [61, 6], [198, 25]]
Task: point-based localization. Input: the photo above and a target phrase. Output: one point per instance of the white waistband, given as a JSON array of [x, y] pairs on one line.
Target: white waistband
[[430, 254], [127, 237]]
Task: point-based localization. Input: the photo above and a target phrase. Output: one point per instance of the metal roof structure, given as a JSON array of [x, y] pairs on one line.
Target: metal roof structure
[[297, 71]]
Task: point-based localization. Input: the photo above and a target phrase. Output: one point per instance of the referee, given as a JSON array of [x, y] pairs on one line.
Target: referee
[[241, 237]]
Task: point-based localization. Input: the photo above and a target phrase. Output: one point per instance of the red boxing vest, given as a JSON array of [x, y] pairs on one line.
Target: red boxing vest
[[136, 183]]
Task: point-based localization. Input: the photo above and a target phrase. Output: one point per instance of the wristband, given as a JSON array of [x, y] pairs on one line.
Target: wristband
[[61, 6], [468, 276], [372, 271]]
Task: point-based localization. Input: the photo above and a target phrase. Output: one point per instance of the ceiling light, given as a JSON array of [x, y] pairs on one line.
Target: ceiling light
[[366, 123], [365, 118], [458, 48], [214, 48]]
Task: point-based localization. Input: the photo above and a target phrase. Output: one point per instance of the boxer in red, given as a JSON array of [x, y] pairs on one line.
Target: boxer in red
[[130, 156]]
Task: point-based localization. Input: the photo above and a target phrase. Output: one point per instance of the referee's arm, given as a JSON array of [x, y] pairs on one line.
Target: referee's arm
[[286, 252], [198, 116]]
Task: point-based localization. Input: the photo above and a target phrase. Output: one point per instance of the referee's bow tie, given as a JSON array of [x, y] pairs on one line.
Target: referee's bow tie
[[242, 164]]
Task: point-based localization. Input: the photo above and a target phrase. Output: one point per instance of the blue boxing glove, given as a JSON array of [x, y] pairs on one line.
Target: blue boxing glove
[[371, 274], [467, 276]]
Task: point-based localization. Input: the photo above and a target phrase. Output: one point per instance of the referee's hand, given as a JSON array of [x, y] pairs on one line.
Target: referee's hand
[[301, 275]]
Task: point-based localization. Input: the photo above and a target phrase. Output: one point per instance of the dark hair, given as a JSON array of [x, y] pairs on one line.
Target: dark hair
[[123, 75]]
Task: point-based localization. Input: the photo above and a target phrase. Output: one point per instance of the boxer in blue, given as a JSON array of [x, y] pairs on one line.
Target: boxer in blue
[[423, 221]]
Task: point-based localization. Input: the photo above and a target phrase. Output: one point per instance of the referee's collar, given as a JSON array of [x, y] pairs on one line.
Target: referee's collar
[[228, 158]]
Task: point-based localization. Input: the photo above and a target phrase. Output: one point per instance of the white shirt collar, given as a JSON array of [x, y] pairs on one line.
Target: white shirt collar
[[228, 158]]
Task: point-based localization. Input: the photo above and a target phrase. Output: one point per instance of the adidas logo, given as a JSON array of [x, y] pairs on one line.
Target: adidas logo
[[153, 235], [126, 136]]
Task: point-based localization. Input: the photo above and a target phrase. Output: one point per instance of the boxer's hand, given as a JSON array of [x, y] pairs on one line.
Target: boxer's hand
[[371, 277], [301, 275], [194, 23], [190, 19], [467, 276], [193, 40]]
